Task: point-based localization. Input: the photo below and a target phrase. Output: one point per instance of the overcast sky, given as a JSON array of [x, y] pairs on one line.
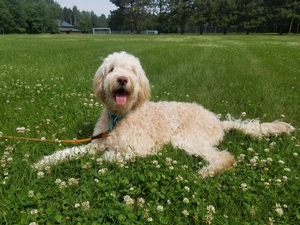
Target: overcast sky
[[98, 6]]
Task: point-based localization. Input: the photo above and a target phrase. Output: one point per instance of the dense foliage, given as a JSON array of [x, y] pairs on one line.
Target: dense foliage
[[176, 15], [167, 16], [39, 16]]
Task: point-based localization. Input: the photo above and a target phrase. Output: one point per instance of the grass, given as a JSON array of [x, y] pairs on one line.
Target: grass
[[45, 89]]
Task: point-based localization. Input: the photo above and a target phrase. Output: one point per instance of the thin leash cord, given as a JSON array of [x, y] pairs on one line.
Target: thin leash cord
[[74, 142]]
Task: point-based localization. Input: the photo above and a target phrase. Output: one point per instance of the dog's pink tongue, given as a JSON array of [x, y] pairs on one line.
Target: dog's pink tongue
[[121, 99]]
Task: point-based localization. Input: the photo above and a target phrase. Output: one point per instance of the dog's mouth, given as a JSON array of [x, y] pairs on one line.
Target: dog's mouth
[[120, 96]]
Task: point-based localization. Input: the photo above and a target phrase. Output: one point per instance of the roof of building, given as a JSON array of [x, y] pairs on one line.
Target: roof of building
[[64, 26]]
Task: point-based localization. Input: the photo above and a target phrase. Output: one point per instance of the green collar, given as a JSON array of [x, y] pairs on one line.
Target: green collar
[[114, 119]]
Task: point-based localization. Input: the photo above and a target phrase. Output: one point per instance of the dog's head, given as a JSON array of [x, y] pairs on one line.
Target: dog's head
[[121, 83]]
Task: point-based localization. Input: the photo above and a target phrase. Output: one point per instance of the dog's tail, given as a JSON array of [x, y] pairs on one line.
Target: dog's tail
[[255, 128]]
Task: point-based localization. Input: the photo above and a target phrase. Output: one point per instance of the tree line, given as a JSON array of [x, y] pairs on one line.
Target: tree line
[[169, 16], [40, 16], [166, 16]]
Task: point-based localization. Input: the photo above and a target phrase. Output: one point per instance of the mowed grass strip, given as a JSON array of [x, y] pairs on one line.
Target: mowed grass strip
[[46, 92]]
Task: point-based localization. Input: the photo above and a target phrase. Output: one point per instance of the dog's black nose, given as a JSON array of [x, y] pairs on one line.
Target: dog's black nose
[[122, 80]]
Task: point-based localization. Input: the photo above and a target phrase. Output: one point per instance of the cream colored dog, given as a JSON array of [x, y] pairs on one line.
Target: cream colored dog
[[138, 127]]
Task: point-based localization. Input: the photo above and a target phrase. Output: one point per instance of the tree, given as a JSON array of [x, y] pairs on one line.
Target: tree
[[132, 12], [180, 12], [282, 13], [68, 15], [100, 21], [18, 15], [6, 19], [222, 13], [34, 19], [251, 14], [84, 22], [200, 14]]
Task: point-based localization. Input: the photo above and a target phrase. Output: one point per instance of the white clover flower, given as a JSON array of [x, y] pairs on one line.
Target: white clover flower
[[209, 217], [33, 223], [241, 157], [278, 209], [272, 144], [278, 182], [99, 161], [30, 194], [211, 209], [243, 114], [96, 180], [160, 208], [1, 134], [281, 161], [9, 160], [140, 201], [253, 161], [102, 171], [171, 167], [284, 178], [149, 219], [168, 161], [269, 160], [271, 221], [267, 150], [186, 200], [185, 213], [250, 149], [244, 186], [295, 154], [128, 200], [187, 188], [73, 181], [40, 174], [34, 212], [47, 169], [169, 202], [62, 185], [155, 162], [267, 184], [58, 181], [21, 129], [287, 169], [86, 205], [179, 178], [77, 205], [184, 167]]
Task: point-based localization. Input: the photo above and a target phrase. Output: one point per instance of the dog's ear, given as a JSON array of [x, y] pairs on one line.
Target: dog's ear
[[98, 83], [144, 87]]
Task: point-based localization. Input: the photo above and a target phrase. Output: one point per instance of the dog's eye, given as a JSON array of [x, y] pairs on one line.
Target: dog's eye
[[111, 69]]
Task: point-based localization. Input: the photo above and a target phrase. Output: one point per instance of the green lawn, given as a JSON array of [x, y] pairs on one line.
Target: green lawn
[[46, 92]]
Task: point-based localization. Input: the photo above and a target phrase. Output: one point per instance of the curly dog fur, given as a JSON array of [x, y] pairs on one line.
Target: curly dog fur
[[143, 127]]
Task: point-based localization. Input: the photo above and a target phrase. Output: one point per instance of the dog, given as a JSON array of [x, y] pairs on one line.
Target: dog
[[130, 125]]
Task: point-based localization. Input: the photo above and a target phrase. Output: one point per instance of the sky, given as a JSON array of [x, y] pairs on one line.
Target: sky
[[98, 6]]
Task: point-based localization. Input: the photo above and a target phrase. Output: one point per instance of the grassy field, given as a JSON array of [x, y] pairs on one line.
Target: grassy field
[[46, 92]]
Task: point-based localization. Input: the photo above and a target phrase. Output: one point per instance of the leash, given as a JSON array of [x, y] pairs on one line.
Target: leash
[[74, 142], [114, 119]]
